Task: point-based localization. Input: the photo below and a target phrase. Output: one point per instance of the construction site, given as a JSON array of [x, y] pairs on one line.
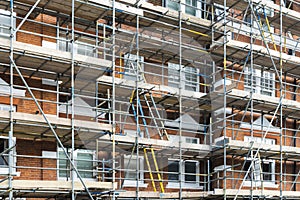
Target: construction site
[[149, 99]]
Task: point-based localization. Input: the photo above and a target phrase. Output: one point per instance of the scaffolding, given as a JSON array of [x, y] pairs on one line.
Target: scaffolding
[[131, 99]]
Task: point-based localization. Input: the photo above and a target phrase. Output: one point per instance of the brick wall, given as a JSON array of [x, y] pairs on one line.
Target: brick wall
[[34, 27], [156, 2], [28, 105], [35, 148]]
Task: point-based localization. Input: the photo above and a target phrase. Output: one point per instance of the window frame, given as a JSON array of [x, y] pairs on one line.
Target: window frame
[[76, 162], [258, 164], [6, 107], [174, 79], [258, 80], [185, 184], [288, 4], [62, 46], [175, 138], [6, 14], [5, 168], [184, 5], [130, 182]]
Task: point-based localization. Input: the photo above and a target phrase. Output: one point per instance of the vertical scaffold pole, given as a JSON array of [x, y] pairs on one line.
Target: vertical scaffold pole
[[10, 135], [180, 102], [113, 99], [138, 104], [251, 73], [72, 99], [224, 114], [281, 111]]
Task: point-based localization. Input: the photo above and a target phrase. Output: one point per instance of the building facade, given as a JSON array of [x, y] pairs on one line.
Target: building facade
[[115, 99]]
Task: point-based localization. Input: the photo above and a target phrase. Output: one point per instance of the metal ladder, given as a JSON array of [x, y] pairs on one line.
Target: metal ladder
[[162, 189], [139, 105], [163, 131]]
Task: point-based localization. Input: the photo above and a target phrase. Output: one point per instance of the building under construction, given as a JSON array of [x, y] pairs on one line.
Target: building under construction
[[157, 99]]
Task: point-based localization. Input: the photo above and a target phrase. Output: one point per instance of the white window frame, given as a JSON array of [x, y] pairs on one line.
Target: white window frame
[[185, 185], [185, 139], [131, 63], [61, 46], [87, 48], [258, 164], [6, 26], [288, 5], [258, 81], [75, 162], [219, 11], [5, 89], [131, 182], [174, 77], [198, 11], [6, 107], [5, 168]]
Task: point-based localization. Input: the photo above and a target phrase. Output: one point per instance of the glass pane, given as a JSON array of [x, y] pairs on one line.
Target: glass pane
[[63, 165], [3, 159], [267, 171], [173, 75], [63, 45], [191, 140], [191, 78], [190, 168], [85, 50], [131, 175], [246, 167], [4, 25], [81, 50], [172, 5], [173, 169], [85, 162], [190, 7]]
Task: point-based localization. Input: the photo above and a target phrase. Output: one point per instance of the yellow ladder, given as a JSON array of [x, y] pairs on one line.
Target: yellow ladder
[[156, 168]]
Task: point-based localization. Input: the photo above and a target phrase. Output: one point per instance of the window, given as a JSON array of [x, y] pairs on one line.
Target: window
[[5, 89], [85, 49], [262, 82], [4, 146], [189, 77], [189, 177], [191, 7], [79, 47], [219, 11], [5, 23], [185, 139], [262, 169], [259, 140], [84, 161], [6, 107], [133, 64], [288, 4], [131, 176]]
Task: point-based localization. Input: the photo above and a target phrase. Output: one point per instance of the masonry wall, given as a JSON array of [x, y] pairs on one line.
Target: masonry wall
[[26, 104], [30, 168], [35, 148]]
